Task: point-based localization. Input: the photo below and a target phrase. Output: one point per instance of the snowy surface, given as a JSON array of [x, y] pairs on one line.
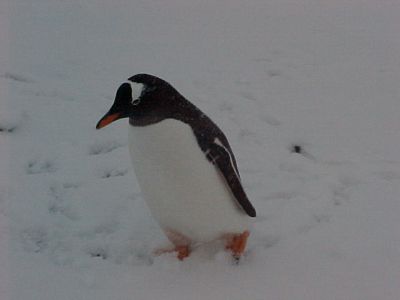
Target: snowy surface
[[278, 75]]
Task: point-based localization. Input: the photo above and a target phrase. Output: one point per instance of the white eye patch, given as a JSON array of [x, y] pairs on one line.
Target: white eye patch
[[137, 89], [135, 102]]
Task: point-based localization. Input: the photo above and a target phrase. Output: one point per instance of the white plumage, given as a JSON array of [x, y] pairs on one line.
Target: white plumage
[[184, 191]]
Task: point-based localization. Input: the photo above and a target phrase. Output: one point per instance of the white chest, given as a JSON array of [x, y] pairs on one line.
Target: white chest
[[183, 190]]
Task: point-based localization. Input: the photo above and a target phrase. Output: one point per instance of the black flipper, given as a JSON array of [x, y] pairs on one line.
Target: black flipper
[[221, 158]]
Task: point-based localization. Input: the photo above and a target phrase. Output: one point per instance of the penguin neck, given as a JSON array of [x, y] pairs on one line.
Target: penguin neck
[[141, 121], [181, 110]]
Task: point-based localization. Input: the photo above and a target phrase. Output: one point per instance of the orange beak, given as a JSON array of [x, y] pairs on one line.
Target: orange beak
[[107, 119]]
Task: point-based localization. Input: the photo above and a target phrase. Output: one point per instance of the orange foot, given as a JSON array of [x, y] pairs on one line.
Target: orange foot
[[182, 251], [237, 244]]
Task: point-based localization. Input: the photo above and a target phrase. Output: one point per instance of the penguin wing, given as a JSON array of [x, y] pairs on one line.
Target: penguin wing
[[219, 156]]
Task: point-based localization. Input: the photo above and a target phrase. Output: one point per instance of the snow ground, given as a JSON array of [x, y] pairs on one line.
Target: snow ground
[[322, 75]]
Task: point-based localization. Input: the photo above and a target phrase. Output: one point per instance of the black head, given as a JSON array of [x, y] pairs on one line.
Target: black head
[[141, 96]]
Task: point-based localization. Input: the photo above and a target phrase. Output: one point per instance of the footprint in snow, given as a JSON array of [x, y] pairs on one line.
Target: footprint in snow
[[226, 107], [34, 239], [71, 185], [341, 191], [113, 173], [274, 73], [103, 147], [269, 120], [7, 127], [248, 95], [280, 195], [124, 254], [36, 166], [98, 252], [244, 132], [17, 77], [268, 241], [9, 121], [59, 203], [388, 175], [322, 218]]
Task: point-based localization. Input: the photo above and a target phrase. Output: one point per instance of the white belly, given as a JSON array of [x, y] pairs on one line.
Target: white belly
[[183, 190]]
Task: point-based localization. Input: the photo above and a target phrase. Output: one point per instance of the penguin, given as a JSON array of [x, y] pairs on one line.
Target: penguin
[[184, 165]]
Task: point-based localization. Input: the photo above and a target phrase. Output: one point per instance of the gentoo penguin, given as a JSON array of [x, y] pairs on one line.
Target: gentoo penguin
[[185, 166]]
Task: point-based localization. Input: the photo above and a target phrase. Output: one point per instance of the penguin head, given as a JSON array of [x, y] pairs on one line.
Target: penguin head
[[142, 95]]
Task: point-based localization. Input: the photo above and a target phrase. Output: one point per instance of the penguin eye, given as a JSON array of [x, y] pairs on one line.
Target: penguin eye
[[136, 102]]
